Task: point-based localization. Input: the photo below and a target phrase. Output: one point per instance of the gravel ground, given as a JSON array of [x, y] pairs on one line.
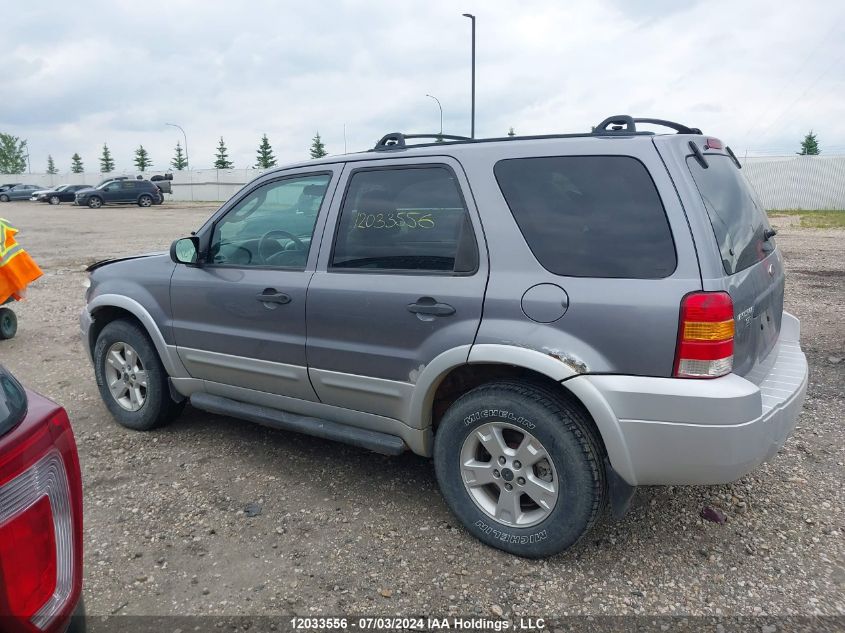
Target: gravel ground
[[339, 530]]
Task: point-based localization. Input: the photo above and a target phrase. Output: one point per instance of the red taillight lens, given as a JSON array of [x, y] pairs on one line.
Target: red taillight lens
[[705, 336], [40, 523], [28, 554]]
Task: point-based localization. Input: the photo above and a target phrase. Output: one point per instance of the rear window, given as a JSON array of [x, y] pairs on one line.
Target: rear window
[[589, 216], [12, 401], [737, 218]]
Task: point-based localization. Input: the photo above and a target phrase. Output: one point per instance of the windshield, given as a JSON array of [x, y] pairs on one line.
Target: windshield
[[736, 215]]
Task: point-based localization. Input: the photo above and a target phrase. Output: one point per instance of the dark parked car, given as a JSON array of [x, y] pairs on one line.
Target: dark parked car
[[123, 191], [40, 515], [18, 192], [62, 193]]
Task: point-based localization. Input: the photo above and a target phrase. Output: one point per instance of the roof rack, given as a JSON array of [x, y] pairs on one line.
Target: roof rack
[[396, 140], [614, 125], [618, 125]]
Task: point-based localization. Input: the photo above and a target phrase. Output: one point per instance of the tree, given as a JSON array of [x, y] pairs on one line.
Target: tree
[[106, 161], [142, 159], [318, 149], [51, 166], [810, 145], [222, 157], [511, 132], [265, 158], [76, 164], [179, 161], [12, 154]]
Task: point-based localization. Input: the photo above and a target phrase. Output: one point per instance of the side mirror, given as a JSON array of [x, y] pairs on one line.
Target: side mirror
[[185, 250]]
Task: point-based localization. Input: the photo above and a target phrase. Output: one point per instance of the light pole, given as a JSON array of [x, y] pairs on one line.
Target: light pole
[[187, 160], [441, 112], [185, 136], [472, 128]]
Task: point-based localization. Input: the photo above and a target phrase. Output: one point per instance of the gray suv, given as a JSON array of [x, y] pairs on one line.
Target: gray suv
[[554, 319]]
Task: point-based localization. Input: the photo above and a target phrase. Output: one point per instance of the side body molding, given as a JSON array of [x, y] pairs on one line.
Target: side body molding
[[167, 353]]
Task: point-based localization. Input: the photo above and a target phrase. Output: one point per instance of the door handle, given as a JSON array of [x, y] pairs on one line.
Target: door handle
[[430, 305], [271, 295]]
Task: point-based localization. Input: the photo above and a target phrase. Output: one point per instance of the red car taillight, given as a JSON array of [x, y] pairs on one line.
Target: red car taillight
[[705, 336], [40, 527]]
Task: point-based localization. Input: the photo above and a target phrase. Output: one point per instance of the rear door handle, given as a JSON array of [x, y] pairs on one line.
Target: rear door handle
[[271, 295], [430, 305]]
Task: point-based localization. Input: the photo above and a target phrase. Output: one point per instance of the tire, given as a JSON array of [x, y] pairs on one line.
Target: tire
[[54, 200], [95, 202], [8, 324], [145, 200], [569, 479], [154, 407], [4, 198]]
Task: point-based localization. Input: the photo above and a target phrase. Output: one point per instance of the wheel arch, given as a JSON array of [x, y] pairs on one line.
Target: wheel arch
[[105, 309], [447, 381]]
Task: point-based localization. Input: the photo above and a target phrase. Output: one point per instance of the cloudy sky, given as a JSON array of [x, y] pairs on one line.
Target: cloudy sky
[[78, 74]]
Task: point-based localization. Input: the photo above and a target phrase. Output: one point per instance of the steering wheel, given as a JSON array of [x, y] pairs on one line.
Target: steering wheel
[[262, 243]]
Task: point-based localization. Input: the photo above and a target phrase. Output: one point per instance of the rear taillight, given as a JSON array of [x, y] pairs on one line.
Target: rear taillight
[[705, 336], [40, 527]]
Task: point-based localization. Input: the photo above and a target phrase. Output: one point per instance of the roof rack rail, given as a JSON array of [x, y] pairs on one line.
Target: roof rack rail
[[614, 125], [396, 140]]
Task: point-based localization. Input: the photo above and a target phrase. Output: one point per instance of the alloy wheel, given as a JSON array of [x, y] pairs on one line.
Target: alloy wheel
[[509, 474]]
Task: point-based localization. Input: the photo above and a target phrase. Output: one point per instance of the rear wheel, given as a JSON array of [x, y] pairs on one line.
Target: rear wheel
[[94, 202], [131, 378], [8, 324], [521, 468], [54, 200], [145, 200]]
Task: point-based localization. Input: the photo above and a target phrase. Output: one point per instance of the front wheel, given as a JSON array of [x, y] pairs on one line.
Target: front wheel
[[4, 198], [521, 468], [145, 200], [94, 202], [131, 378], [54, 200]]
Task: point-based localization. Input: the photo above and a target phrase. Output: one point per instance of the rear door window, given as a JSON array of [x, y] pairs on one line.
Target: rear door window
[[589, 216], [735, 213], [405, 219]]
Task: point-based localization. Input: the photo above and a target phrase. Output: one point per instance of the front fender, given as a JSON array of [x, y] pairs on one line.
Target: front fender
[[172, 365]]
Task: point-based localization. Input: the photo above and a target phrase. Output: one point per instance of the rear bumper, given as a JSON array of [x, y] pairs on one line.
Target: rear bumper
[[680, 431]]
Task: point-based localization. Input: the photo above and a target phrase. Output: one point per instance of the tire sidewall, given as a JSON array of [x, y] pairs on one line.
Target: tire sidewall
[[151, 412], [92, 204], [4, 198], [574, 510], [142, 201]]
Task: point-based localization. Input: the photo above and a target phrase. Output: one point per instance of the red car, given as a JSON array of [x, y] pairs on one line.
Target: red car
[[40, 515]]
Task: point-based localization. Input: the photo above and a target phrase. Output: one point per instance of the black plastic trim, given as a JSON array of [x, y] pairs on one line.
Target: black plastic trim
[[364, 438]]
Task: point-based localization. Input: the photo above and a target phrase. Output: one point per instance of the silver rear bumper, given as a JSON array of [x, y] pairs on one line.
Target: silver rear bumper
[[682, 431]]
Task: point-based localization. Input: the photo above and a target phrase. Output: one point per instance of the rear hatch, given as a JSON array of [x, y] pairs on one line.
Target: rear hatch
[[751, 262]]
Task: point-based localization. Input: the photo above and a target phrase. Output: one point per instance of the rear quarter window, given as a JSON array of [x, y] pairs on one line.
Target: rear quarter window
[[589, 216]]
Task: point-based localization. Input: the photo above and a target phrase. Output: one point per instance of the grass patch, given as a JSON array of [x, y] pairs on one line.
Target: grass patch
[[814, 219]]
